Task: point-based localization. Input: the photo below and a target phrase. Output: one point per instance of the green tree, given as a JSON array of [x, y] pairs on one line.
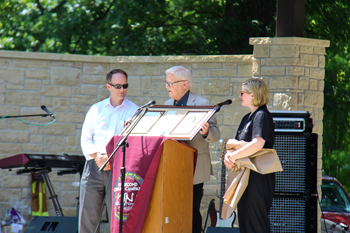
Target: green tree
[[135, 27], [322, 24]]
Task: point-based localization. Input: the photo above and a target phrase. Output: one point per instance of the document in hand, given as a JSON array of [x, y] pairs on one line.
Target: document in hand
[[263, 161]]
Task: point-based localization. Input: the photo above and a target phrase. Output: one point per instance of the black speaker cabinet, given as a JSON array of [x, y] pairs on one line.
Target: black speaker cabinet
[[290, 214], [52, 224], [296, 147], [298, 156]]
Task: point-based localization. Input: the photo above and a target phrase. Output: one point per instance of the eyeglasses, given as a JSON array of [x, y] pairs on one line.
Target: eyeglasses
[[242, 92], [171, 84], [119, 86]]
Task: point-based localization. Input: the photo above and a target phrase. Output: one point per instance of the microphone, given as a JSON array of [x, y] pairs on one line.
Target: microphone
[[43, 107], [227, 102], [219, 105], [149, 104], [136, 114]]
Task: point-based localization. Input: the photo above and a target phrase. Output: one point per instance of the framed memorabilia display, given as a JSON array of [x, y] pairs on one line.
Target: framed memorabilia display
[[176, 122]]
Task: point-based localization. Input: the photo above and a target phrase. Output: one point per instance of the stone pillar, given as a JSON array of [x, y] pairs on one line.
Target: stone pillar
[[297, 65]]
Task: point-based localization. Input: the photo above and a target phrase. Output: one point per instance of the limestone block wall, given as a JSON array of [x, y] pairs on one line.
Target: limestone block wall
[[69, 84], [294, 69], [298, 65]]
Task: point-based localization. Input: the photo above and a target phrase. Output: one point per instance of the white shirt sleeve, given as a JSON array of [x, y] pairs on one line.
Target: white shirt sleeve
[[102, 122], [87, 143]]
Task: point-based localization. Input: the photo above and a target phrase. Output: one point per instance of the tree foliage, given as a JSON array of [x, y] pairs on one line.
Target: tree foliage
[[135, 27], [329, 19]]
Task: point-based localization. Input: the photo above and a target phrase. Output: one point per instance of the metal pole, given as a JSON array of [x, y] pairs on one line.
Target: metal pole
[[53, 196], [122, 174]]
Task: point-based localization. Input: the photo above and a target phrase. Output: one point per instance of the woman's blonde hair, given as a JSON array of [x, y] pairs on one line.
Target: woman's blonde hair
[[260, 90]]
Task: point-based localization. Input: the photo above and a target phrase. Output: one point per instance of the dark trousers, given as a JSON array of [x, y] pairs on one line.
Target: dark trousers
[[255, 203], [197, 217], [94, 187]]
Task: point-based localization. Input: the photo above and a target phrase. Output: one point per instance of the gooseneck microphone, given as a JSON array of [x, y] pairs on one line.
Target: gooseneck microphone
[[138, 111], [227, 102], [149, 104], [219, 105], [43, 107]]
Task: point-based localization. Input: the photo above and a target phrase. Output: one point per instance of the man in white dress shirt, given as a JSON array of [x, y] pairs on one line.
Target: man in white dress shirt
[[104, 120]]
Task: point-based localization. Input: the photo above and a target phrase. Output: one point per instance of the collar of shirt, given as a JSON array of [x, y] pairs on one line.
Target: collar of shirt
[[102, 122], [183, 100], [260, 108], [108, 103]]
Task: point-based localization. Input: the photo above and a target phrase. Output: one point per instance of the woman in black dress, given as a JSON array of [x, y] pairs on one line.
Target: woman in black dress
[[257, 128]]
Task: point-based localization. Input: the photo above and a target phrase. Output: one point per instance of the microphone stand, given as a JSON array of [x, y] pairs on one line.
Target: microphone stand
[[123, 143], [42, 115], [218, 107]]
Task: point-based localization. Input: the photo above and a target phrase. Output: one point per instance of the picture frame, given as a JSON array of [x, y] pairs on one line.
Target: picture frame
[[175, 122]]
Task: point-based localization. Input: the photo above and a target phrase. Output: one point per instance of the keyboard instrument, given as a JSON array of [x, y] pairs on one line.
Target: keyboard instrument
[[43, 161]]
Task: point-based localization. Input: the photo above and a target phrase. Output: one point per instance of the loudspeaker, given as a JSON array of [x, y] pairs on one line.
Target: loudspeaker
[[296, 147], [298, 155], [40, 224], [290, 214]]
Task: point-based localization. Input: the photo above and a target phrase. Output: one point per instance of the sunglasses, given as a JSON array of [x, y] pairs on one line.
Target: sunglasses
[[242, 92], [119, 86]]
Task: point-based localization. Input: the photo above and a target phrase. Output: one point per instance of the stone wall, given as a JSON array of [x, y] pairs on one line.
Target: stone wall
[[294, 69], [69, 84]]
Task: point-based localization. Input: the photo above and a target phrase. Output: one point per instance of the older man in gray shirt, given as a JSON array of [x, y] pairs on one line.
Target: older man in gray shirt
[[178, 83]]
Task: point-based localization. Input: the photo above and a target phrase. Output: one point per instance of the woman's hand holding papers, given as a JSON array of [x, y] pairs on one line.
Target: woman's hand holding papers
[[227, 161]]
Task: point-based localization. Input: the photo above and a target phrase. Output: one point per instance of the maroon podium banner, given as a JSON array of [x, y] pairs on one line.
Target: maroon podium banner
[[141, 165]]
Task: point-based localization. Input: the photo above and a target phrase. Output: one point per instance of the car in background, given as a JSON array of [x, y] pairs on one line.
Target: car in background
[[335, 202]]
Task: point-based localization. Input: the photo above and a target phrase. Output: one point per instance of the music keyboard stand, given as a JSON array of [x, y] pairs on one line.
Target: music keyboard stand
[[44, 173]]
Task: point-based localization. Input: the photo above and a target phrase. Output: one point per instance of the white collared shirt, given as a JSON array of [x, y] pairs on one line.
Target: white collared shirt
[[102, 122]]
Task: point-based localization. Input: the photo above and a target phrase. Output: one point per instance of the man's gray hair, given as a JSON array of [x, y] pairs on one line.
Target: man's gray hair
[[181, 73]]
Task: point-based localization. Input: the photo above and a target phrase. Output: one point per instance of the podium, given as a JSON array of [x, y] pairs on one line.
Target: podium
[[170, 201], [170, 207], [158, 185]]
